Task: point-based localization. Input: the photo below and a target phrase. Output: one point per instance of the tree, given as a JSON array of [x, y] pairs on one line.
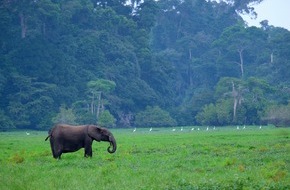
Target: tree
[[96, 88], [234, 88], [233, 39], [247, 98]]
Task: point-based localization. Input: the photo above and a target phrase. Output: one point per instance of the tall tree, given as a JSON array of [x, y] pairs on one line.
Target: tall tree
[[97, 88]]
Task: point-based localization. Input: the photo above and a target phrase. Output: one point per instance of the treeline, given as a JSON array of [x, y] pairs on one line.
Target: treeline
[[151, 63]]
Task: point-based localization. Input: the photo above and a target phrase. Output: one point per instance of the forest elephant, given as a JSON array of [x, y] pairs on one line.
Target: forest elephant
[[67, 138]]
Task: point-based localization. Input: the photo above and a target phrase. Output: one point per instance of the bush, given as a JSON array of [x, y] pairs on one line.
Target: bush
[[154, 116], [106, 119], [208, 115]]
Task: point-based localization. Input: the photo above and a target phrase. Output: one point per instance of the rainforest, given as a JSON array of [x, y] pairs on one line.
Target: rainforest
[[139, 63]]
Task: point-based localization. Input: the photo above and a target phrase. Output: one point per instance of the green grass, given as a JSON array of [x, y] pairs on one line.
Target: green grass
[[222, 159]]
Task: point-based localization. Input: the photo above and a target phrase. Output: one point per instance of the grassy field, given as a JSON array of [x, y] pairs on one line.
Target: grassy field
[[225, 158]]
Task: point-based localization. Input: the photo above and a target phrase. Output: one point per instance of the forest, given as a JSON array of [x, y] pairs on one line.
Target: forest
[[136, 63]]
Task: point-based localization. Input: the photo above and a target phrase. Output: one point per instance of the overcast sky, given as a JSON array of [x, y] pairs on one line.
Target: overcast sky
[[277, 12]]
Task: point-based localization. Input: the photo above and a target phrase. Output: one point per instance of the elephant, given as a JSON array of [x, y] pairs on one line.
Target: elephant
[[68, 138]]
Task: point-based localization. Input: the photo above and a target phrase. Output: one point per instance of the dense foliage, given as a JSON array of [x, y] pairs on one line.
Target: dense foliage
[[194, 60]]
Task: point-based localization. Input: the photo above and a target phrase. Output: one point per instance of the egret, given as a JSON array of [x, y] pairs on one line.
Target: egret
[[192, 129], [134, 130], [207, 128], [27, 133], [244, 127], [150, 129], [181, 129], [260, 127], [213, 127], [238, 127], [198, 129], [173, 129]]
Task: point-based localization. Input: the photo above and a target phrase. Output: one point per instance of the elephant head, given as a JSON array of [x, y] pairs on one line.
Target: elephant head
[[103, 134]]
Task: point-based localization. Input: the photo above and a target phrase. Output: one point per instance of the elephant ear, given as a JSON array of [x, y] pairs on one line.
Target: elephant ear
[[94, 132]]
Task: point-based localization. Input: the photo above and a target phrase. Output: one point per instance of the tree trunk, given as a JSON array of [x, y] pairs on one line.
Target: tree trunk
[[189, 69], [93, 104], [99, 104], [241, 62], [23, 25], [235, 96], [179, 28], [44, 29], [272, 57]]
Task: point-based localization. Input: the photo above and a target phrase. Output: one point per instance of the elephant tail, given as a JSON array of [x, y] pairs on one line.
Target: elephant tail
[[47, 137], [49, 134]]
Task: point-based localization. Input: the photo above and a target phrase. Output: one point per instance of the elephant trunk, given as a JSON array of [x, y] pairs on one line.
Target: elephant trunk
[[112, 144]]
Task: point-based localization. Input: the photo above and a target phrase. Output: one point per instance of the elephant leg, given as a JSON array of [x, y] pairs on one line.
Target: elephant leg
[[59, 151], [56, 150], [57, 154], [53, 148], [88, 151]]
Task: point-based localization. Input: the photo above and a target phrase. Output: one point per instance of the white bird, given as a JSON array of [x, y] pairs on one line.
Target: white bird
[[260, 127], [181, 129], [134, 130], [213, 127], [173, 129], [207, 128], [150, 129], [238, 127], [27, 133], [198, 129], [192, 129], [244, 127]]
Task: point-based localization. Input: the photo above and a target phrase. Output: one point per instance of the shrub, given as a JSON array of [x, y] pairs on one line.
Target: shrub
[[106, 119], [154, 116], [16, 158]]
